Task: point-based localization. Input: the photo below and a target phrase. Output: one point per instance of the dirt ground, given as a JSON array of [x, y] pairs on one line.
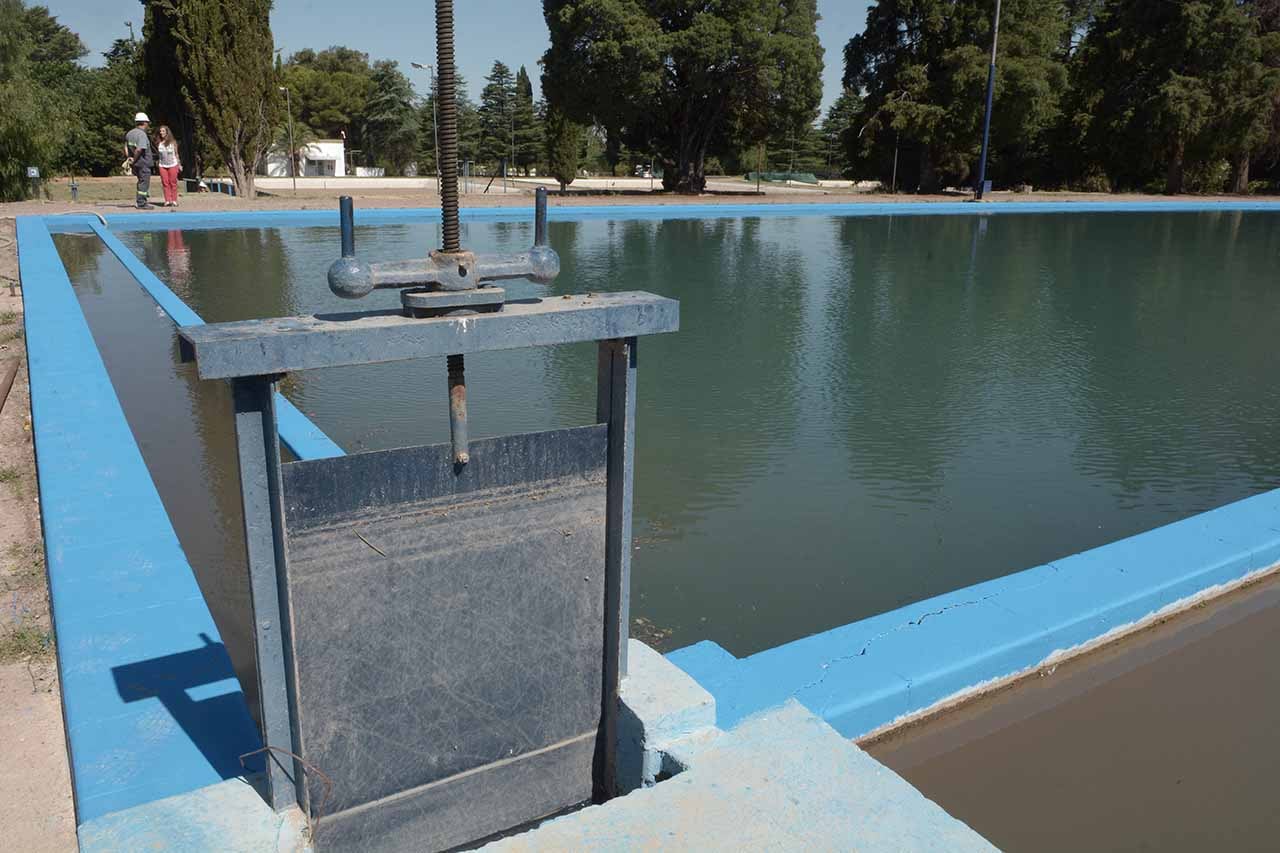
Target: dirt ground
[[36, 811]]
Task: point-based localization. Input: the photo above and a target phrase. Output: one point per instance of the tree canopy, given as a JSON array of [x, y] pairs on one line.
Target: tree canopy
[[1117, 94], [222, 61], [33, 48], [687, 80]]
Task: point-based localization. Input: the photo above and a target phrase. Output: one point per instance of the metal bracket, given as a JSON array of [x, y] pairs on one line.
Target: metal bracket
[[425, 281]]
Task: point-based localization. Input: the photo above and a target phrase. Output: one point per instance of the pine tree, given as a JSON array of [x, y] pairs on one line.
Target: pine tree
[[468, 128], [835, 130], [390, 119], [528, 135], [497, 114]]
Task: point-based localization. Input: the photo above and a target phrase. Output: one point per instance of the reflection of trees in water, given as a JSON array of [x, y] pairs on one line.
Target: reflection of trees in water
[[719, 399], [81, 255], [234, 274], [183, 428], [1134, 339], [1180, 385], [899, 319]]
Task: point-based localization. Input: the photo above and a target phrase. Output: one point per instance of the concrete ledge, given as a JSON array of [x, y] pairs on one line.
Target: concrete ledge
[[781, 780], [665, 716], [230, 817], [151, 704], [865, 675]]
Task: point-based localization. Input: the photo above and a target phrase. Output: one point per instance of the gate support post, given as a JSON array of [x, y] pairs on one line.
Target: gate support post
[[616, 406], [258, 449]]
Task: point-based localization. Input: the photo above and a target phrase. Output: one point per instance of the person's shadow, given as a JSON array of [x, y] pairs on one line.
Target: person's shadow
[[219, 725]]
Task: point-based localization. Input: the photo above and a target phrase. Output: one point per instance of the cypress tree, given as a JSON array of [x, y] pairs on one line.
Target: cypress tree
[[222, 65]]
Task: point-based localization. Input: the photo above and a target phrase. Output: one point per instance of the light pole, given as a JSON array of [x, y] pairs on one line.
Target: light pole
[[986, 121], [293, 152], [435, 129]]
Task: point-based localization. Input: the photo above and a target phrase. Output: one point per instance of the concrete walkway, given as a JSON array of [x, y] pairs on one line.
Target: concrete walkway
[[782, 780]]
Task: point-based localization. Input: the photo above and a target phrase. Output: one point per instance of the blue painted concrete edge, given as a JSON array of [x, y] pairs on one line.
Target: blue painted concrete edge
[[578, 213], [864, 675], [299, 434], [151, 704]]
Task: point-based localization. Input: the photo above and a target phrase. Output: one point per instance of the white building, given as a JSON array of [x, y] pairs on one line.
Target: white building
[[323, 158]]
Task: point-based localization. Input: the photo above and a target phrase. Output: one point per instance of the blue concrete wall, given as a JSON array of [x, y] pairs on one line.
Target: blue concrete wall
[[151, 705], [153, 709], [861, 676], [297, 432], [578, 213]]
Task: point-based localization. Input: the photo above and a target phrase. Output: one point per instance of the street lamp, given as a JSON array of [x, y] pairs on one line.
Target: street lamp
[[986, 121], [435, 130], [293, 152]]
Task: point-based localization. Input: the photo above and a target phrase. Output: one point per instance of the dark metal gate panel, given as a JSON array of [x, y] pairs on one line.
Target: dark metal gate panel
[[447, 634]]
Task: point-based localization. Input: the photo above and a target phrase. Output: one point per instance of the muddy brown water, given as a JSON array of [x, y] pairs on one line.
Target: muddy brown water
[[1164, 741]]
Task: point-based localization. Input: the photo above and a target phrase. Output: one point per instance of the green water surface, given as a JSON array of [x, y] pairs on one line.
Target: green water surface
[[857, 413]]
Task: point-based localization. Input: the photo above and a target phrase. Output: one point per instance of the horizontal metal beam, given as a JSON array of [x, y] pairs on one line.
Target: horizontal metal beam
[[264, 347]]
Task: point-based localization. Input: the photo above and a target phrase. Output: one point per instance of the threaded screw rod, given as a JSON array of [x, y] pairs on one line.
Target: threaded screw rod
[[446, 94]]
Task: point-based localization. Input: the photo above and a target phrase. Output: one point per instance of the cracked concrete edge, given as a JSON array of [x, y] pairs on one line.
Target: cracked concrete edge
[[1060, 656], [875, 673]]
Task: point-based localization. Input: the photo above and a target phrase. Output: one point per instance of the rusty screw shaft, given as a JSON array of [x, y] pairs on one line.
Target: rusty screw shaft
[[458, 410]]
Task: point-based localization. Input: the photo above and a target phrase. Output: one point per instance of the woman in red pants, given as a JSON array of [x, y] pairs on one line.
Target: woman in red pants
[[170, 165]]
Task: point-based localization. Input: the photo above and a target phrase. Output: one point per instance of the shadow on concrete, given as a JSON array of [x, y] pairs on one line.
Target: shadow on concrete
[[219, 726]]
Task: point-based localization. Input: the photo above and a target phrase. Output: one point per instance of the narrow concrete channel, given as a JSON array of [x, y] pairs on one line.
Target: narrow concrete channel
[[1164, 741]]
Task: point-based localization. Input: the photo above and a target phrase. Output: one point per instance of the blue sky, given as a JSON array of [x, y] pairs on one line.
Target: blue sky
[[404, 30]]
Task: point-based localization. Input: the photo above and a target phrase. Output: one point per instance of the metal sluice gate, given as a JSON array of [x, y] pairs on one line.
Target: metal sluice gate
[[439, 630]]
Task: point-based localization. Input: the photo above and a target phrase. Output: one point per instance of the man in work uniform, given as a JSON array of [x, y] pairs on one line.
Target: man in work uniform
[[137, 148]]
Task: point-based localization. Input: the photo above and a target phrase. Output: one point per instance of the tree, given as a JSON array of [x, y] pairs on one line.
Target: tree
[[564, 147], [691, 81], [468, 127], [55, 49], [162, 87], [528, 130], [104, 101], [1178, 79], [836, 129], [391, 120], [330, 90], [222, 58], [497, 113], [30, 125], [922, 67]]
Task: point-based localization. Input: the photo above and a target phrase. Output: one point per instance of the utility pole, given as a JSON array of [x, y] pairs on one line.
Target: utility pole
[[293, 151], [435, 125], [129, 24], [986, 121]]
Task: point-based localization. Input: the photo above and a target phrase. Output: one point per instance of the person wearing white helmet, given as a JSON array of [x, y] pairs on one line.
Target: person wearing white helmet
[[138, 158]]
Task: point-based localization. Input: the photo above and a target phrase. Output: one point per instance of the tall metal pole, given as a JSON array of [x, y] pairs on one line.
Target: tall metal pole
[[986, 121], [435, 122]]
